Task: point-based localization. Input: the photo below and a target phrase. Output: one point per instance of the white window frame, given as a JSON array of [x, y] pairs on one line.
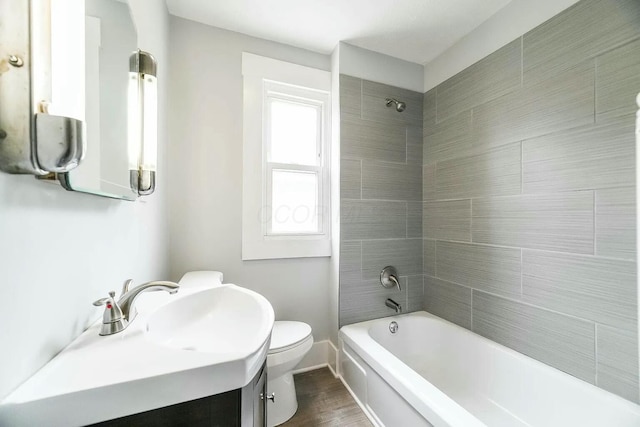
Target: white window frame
[[293, 94], [263, 78]]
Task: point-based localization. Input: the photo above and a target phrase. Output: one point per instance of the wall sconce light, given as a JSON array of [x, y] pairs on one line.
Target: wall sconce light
[[143, 122], [41, 124]]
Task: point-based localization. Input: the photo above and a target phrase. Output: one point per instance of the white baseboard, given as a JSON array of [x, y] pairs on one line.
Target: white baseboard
[[333, 359], [322, 353], [309, 368]]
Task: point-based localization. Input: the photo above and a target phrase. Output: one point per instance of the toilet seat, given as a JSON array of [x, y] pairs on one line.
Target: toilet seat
[[287, 335]]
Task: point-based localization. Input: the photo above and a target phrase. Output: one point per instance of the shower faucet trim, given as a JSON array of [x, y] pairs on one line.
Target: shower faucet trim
[[389, 277]]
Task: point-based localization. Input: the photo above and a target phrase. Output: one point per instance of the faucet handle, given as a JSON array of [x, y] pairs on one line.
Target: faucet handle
[[394, 279], [103, 301], [112, 319], [389, 277]]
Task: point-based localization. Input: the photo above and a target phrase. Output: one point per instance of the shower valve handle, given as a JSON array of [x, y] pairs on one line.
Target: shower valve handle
[[389, 277]]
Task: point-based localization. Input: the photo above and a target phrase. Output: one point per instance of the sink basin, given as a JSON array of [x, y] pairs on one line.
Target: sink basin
[[215, 338], [226, 319]]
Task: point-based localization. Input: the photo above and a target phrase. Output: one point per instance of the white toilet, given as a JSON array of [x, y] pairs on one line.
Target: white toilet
[[290, 341]]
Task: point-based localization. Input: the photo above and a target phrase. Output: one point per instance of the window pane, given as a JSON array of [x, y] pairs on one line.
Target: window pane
[[294, 206], [294, 133]]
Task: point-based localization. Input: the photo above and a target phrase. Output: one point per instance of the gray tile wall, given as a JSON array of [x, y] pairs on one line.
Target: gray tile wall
[[529, 199], [381, 197]]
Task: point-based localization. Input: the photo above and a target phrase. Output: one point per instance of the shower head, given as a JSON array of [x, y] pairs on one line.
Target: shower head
[[400, 106]]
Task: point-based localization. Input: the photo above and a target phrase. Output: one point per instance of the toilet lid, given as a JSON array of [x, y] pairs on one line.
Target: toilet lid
[[287, 334]]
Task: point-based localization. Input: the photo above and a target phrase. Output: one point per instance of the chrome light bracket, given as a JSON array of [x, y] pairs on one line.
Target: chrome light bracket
[[31, 140]]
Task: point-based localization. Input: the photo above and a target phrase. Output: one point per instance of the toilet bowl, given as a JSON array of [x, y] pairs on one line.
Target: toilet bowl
[[290, 341]]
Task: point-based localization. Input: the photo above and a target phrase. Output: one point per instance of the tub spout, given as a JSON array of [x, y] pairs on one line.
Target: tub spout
[[394, 305]]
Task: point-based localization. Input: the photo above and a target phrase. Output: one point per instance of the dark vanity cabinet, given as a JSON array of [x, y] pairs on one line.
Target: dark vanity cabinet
[[245, 407]]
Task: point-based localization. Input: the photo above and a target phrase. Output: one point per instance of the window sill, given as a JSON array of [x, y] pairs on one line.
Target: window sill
[[285, 248]]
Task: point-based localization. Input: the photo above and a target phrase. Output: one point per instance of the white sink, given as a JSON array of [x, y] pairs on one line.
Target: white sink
[[213, 339], [226, 319]]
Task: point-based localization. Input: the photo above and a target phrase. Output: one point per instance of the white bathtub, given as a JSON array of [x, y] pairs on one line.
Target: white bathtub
[[432, 372]]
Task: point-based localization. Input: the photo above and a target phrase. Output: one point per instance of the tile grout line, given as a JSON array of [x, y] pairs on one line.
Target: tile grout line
[[406, 144], [594, 223], [387, 163], [524, 303], [423, 285], [406, 219], [595, 89], [521, 167], [471, 220], [436, 118], [522, 61], [623, 43], [424, 251], [361, 260], [361, 98], [491, 245], [595, 351], [406, 296], [361, 183], [521, 273], [435, 258], [471, 309]]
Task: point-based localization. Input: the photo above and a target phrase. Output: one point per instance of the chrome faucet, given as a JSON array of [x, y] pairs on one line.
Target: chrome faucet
[[118, 315], [394, 305], [128, 298]]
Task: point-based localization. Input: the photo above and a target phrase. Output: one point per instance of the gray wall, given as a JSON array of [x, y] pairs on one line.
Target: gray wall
[[60, 250], [380, 198], [205, 192], [529, 197]]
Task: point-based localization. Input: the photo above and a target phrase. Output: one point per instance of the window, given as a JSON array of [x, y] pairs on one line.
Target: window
[[286, 160]]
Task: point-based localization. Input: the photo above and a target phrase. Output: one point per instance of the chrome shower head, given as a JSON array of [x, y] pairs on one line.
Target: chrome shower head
[[400, 106]]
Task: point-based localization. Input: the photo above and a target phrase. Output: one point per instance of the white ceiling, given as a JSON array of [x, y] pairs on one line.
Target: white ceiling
[[413, 30]]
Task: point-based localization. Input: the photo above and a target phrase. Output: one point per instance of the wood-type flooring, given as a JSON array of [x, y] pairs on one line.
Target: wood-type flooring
[[324, 401]]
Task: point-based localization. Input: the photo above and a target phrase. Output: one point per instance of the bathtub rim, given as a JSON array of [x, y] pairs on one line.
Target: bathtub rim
[[446, 411], [434, 405]]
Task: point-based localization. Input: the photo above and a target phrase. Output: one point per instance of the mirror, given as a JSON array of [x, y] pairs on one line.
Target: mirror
[[110, 38]]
